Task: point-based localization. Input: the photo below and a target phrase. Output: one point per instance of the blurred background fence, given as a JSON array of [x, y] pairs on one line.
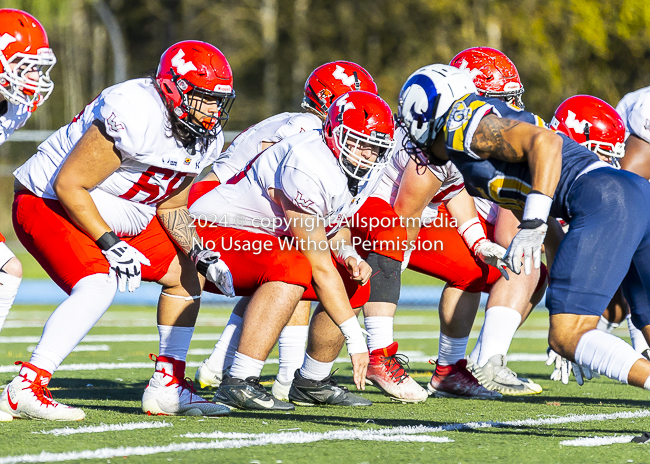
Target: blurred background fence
[[561, 48]]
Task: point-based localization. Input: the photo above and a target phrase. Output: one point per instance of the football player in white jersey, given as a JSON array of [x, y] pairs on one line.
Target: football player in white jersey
[[103, 204], [326, 83], [300, 191], [25, 63], [634, 108]]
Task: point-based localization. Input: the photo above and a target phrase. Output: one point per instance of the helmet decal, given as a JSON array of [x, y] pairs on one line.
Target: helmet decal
[[182, 66]]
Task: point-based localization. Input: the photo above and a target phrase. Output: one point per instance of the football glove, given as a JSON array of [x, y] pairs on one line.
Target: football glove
[[564, 367], [492, 254], [125, 264], [527, 243], [214, 269]]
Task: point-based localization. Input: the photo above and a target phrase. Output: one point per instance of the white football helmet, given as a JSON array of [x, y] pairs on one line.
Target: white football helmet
[[426, 97]]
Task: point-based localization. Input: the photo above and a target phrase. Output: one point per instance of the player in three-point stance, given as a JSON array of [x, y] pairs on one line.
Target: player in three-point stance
[[541, 174]]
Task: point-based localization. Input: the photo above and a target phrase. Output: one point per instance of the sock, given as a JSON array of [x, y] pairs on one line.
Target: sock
[[174, 341], [72, 320], [315, 370], [605, 325], [646, 384], [451, 350], [292, 350], [224, 351], [638, 340], [497, 333], [244, 366], [606, 354], [380, 330], [8, 291]]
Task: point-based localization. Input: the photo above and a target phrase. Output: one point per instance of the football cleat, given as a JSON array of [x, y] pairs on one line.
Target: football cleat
[[280, 390], [27, 397], [206, 378], [5, 417], [387, 373], [496, 376], [456, 381], [169, 393], [249, 395], [306, 392]]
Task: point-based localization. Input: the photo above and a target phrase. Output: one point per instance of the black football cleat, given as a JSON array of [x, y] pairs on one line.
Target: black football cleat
[[306, 392], [248, 395]]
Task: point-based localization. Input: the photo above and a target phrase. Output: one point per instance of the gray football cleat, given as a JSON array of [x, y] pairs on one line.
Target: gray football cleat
[[306, 392], [248, 395]]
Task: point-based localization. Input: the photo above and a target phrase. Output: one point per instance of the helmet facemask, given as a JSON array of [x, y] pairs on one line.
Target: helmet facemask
[[511, 97], [191, 111], [348, 141], [16, 84]]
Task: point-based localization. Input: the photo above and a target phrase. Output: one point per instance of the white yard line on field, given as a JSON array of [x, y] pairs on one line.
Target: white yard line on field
[[598, 441], [31, 348], [105, 428], [413, 358], [431, 335], [283, 438]]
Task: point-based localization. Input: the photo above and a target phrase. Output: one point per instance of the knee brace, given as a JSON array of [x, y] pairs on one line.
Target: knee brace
[[386, 279]]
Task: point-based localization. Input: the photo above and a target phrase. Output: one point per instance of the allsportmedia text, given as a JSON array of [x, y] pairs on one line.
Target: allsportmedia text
[[261, 245], [310, 223]]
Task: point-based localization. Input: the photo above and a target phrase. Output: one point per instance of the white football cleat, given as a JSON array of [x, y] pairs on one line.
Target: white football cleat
[[27, 397], [280, 390], [495, 375], [386, 372], [169, 393], [207, 378], [5, 417]]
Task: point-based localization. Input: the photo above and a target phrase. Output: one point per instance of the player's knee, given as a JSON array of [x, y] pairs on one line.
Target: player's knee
[[389, 243], [14, 268], [386, 279]]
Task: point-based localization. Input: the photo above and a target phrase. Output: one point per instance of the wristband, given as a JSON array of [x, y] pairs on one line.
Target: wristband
[[538, 206], [106, 241], [353, 334], [472, 232], [346, 251]]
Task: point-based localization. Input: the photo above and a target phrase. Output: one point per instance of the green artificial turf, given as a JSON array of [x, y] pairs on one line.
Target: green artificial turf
[[113, 396]]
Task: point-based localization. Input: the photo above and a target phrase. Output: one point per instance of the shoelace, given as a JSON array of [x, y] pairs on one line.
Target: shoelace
[[465, 373], [395, 367], [187, 384], [257, 386], [329, 380], [42, 394]]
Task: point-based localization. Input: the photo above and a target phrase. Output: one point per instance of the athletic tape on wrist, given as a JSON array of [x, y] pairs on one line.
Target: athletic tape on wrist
[[538, 206], [346, 251], [472, 232], [353, 334]]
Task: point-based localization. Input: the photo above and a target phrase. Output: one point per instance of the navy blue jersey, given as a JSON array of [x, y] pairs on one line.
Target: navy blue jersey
[[502, 182]]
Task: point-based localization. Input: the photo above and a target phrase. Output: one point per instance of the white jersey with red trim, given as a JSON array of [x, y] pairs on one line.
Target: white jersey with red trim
[[248, 144], [308, 174], [153, 164], [451, 178], [13, 119], [634, 108]]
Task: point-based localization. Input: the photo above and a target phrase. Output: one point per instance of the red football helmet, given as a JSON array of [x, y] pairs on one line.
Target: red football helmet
[[593, 123], [331, 80], [359, 120], [493, 73], [25, 59], [190, 74]]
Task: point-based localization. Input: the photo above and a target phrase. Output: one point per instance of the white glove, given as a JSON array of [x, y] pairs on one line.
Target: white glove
[[492, 254], [125, 263], [563, 368], [527, 243], [216, 271]]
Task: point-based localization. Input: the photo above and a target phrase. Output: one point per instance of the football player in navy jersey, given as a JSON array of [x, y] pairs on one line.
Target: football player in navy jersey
[[508, 157]]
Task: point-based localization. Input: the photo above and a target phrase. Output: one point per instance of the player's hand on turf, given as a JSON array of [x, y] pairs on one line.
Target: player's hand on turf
[[359, 270], [527, 243], [125, 264], [209, 264], [360, 363], [564, 367], [492, 254]]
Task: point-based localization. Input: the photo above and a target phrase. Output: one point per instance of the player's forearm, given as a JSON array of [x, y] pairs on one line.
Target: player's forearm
[[82, 210], [462, 207], [331, 293], [178, 224], [545, 162]]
